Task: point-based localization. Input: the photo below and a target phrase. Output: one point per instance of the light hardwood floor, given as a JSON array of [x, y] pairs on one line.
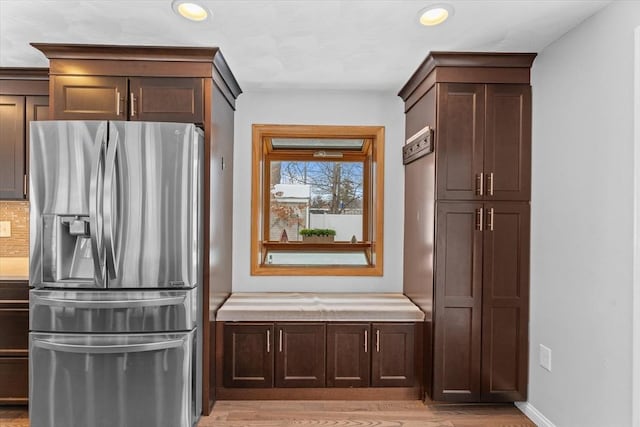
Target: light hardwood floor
[[338, 414]]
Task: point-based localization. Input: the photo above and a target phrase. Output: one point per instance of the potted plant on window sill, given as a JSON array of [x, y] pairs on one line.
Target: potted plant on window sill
[[318, 235]]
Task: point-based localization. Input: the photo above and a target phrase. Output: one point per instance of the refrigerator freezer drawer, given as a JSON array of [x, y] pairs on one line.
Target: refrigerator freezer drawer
[[111, 380], [112, 311]]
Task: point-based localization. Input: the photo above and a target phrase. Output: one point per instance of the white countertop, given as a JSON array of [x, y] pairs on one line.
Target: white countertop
[[319, 307]]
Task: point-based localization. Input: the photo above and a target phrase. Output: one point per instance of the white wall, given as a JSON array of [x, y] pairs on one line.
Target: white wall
[[636, 235], [322, 108], [582, 222]]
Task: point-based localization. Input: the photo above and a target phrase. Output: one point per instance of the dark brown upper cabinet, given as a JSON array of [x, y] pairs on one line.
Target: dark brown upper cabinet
[[393, 355], [89, 98], [484, 142], [12, 148], [175, 99], [248, 357], [348, 355], [165, 99], [300, 355], [468, 268], [23, 98]]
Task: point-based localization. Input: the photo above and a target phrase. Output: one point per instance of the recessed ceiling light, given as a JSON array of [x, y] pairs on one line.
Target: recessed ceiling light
[[435, 14], [191, 10]]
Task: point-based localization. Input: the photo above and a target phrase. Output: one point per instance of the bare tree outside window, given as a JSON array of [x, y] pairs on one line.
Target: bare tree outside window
[[316, 194]]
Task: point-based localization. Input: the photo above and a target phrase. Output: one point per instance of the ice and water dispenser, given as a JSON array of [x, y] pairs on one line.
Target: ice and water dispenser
[[66, 252]]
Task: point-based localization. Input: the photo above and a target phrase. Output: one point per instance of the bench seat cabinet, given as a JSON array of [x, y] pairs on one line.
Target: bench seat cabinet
[[348, 355], [264, 355], [393, 357], [248, 355], [300, 356]]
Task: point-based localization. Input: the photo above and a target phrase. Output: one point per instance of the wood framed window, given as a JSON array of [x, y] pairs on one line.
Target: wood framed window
[[310, 179]]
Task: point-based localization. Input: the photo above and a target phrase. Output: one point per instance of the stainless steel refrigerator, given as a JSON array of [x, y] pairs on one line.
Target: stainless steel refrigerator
[[115, 274]]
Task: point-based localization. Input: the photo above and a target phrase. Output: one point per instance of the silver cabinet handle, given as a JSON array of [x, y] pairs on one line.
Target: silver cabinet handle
[[280, 341], [490, 183], [491, 214], [105, 349], [480, 184], [117, 103], [268, 340], [365, 340], [377, 340], [479, 219], [133, 104]]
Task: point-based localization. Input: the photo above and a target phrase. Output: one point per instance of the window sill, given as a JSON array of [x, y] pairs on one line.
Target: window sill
[[278, 269]]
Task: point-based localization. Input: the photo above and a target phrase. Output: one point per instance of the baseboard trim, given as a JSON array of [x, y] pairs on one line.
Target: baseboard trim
[[536, 416], [324, 393]]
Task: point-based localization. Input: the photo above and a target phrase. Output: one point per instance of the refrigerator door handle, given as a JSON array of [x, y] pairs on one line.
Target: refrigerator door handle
[[107, 349], [109, 198], [96, 224], [75, 303]]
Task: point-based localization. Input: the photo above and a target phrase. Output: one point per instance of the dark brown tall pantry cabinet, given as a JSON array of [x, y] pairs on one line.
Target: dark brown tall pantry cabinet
[[467, 203], [164, 84]]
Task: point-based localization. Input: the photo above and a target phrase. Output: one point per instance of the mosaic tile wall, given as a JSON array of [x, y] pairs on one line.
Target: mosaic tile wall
[[18, 244]]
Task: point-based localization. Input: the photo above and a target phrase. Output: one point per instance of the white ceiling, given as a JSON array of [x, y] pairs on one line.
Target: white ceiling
[[327, 44]]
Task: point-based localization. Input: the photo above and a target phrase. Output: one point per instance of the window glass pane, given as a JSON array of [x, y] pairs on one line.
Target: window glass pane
[[316, 258], [302, 143], [312, 194]]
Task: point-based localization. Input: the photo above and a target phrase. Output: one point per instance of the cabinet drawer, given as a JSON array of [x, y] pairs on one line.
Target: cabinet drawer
[[14, 387], [14, 339], [14, 291]]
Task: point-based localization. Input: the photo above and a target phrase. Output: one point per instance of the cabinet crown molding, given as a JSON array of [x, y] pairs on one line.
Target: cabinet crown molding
[[24, 73], [192, 54], [436, 60]]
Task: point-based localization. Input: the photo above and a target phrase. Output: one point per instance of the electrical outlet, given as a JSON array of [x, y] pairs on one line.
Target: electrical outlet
[[5, 228], [545, 357]]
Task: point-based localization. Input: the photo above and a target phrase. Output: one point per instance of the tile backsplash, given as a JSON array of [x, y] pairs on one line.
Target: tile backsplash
[[18, 214]]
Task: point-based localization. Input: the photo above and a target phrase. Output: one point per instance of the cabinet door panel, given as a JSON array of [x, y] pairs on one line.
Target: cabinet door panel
[[14, 387], [14, 339], [505, 306], [393, 355], [459, 141], [248, 355], [166, 99], [89, 98], [37, 109], [458, 289], [300, 359], [348, 361], [12, 147], [507, 144]]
